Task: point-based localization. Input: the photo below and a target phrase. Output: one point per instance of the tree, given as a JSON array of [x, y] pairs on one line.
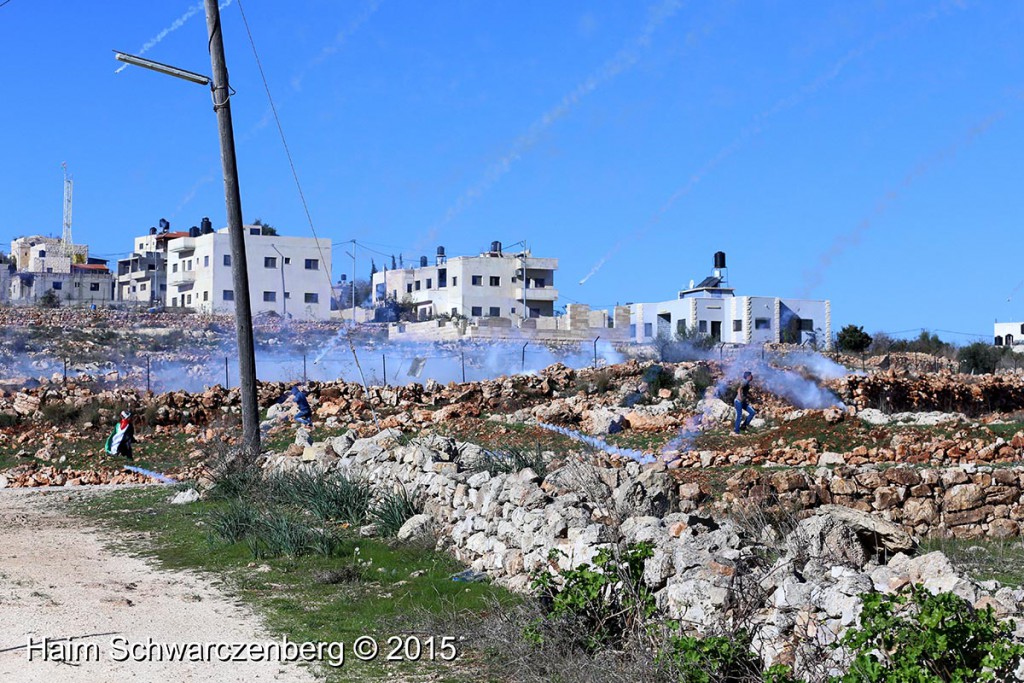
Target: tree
[[980, 358], [853, 338], [373, 269], [49, 300], [393, 265], [266, 228]]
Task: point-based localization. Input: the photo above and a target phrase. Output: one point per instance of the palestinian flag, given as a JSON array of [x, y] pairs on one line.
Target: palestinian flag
[[117, 437]]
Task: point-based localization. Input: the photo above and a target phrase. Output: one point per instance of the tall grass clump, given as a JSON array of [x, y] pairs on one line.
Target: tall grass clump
[[511, 460], [393, 510]]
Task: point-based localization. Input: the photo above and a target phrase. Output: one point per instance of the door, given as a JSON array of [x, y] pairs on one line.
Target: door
[[716, 330]]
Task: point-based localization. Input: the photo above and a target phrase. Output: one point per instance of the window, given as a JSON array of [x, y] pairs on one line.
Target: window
[[762, 324], [430, 283], [737, 325], [174, 267], [206, 296], [648, 329], [174, 302], [206, 262], [151, 266], [142, 287], [58, 285], [408, 288], [228, 295], [442, 278], [270, 296], [78, 284], [417, 285], [806, 325], [312, 298], [495, 281], [632, 331], [681, 328], [478, 280], [539, 282], [163, 288], [42, 253], [702, 326], [477, 311], [287, 295], [189, 302], [313, 264], [227, 260], [287, 260], [95, 286], [494, 312], [270, 262], [255, 231], [455, 281], [455, 311], [513, 309]]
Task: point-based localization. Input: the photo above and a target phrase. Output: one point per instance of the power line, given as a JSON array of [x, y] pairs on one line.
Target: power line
[[4, 3], [284, 141]]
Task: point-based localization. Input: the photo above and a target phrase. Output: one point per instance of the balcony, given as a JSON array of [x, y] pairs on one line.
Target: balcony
[[537, 293], [181, 244], [184, 277]]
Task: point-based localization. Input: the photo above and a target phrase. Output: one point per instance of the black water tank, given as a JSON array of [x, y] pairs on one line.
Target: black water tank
[[165, 224], [719, 259], [344, 277], [440, 251], [423, 261], [193, 231], [206, 225], [152, 231], [496, 247]]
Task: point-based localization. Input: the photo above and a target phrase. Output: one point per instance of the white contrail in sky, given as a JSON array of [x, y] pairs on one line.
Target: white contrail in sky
[[621, 61], [340, 39], [178, 23], [757, 125]]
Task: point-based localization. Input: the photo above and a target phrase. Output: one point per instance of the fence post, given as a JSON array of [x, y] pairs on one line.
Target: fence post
[[463, 351], [227, 381], [65, 371], [148, 387], [303, 367], [523, 366], [595, 350], [384, 363]]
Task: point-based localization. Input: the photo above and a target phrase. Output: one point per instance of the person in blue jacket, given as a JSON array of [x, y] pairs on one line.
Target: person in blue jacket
[[305, 414]]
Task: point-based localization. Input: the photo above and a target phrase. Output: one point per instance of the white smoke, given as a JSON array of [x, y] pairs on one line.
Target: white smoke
[[175, 25], [620, 62]]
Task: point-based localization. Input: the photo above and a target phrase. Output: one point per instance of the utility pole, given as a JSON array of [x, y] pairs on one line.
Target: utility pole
[[233, 201], [353, 283]]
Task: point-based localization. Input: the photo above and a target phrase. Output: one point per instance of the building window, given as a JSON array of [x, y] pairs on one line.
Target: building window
[[495, 281], [477, 311], [417, 285], [206, 296], [539, 282], [174, 267], [442, 278], [287, 295], [494, 312], [78, 284], [455, 281], [228, 294], [255, 231], [142, 287], [737, 325], [151, 266], [762, 324], [478, 280], [648, 329], [681, 328], [455, 311], [632, 331], [408, 288], [806, 325], [58, 285], [163, 288], [287, 260], [270, 296], [227, 260], [189, 302], [206, 262], [313, 264], [430, 283], [312, 298], [95, 286], [270, 262], [702, 326], [174, 302]]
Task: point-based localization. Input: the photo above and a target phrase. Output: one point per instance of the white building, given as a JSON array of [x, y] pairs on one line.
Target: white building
[[290, 276], [491, 285], [142, 277], [1010, 334], [711, 308], [42, 265]]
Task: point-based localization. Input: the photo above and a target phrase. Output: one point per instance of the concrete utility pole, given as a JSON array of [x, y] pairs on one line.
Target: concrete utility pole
[[233, 200]]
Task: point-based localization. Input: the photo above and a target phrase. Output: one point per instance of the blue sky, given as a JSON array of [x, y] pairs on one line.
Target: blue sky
[[861, 152]]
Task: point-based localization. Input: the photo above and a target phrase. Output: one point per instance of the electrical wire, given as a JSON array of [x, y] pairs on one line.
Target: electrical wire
[[284, 141]]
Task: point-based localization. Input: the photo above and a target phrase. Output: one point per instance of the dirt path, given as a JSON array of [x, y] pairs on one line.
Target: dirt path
[[58, 580]]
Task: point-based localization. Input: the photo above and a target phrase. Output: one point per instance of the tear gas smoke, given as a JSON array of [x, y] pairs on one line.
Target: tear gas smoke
[[845, 241], [340, 39], [620, 62], [757, 126], [162, 478], [178, 23], [598, 444]]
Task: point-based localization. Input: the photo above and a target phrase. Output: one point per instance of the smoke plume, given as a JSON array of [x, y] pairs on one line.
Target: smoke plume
[[175, 25]]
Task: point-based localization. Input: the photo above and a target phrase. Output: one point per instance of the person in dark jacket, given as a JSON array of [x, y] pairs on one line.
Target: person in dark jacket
[[742, 403], [120, 440], [305, 414]]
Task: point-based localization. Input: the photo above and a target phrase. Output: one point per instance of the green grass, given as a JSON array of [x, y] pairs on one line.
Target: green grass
[[983, 559], [293, 595]]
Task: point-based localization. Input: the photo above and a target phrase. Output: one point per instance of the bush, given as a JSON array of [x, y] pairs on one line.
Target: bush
[[60, 412], [49, 300], [608, 599], [718, 659], [924, 638], [854, 339], [392, 511], [233, 476], [510, 460], [657, 378], [979, 357]]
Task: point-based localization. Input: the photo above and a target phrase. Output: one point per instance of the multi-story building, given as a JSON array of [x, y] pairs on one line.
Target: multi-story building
[[1010, 334], [711, 308], [290, 276], [42, 264], [142, 277], [492, 285]]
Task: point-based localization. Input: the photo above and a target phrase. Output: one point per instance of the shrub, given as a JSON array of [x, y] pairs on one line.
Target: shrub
[[656, 378], [979, 357], [510, 460], [235, 522], [854, 339], [718, 659], [49, 299], [925, 638], [233, 476], [609, 598], [60, 412], [393, 510]]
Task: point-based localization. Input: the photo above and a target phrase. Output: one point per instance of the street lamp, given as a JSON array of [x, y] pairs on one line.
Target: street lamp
[[233, 202]]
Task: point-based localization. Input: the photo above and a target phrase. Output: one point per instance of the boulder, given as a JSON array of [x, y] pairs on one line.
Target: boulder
[[846, 536], [416, 527]]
